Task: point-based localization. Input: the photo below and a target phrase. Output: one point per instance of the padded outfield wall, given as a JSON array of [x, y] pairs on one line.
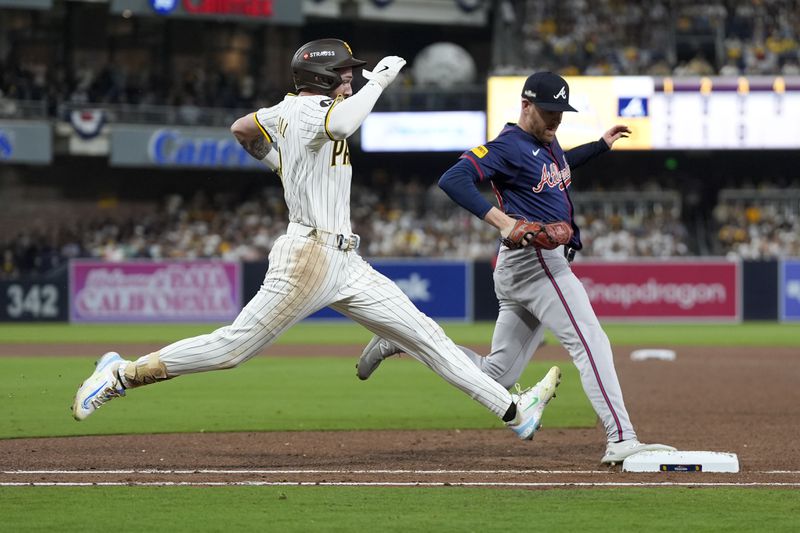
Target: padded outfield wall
[[713, 290]]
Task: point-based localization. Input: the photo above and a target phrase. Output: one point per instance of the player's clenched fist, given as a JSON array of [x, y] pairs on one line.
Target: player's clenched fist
[[385, 71]]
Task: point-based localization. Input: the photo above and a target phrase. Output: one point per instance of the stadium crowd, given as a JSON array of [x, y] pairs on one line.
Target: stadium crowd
[[114, 83], [634, 234], [757, 226], [407, 219], [655, 37], [659, 38]]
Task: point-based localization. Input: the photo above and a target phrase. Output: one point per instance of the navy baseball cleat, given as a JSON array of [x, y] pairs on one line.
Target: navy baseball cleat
[[102, 386], [531, 403], [376, 351]]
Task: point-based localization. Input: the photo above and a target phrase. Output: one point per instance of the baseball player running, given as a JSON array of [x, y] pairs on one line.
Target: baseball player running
[[315, 264], [535, 286]]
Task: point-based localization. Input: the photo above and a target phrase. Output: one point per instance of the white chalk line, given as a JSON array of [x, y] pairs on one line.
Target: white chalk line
[[306, 471], [155, 471], [384, 484], [364, 483]]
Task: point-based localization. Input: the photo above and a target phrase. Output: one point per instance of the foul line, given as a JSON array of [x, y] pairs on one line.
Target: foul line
[[383, 484], [305, 471], [156, 471], [261, 483]]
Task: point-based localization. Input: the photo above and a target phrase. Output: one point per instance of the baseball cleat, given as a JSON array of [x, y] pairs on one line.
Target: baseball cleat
[[376, 351], [531, 403], [616, 452], [102, 386]]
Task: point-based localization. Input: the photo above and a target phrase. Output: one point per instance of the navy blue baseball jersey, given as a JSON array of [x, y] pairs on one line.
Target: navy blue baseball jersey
[[530, 179]]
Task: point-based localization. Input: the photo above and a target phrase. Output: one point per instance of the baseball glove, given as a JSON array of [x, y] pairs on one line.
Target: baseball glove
[[537, 234]]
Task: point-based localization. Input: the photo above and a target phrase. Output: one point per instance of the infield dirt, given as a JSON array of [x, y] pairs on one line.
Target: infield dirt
[[740, 400]]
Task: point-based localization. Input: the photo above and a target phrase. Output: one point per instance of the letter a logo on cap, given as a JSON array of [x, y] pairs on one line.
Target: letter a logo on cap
[[562, 93]]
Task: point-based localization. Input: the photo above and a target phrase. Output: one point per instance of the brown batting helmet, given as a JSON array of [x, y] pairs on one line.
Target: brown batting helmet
[[314, 64]]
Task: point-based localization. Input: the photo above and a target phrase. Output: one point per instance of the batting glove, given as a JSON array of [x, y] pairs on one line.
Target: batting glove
[[385, 71]]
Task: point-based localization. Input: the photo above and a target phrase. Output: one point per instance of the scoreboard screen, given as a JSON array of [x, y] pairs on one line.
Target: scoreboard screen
[[719, 113], [668, 113]]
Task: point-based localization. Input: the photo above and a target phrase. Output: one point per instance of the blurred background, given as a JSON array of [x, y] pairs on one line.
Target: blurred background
[[114, 141]]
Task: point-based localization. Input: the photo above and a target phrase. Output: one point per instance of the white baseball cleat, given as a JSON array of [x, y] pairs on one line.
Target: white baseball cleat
[[100, 387], [616, 452], [376, 351], [531, 403]]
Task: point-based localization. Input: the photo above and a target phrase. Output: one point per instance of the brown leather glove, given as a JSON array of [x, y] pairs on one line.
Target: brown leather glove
[[537, 234]]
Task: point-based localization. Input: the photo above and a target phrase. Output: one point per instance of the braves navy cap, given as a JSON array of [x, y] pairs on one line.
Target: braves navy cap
[[548, 91]]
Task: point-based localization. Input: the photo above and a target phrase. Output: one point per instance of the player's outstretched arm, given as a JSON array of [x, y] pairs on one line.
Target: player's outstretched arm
[[581, 154], [346, 117]]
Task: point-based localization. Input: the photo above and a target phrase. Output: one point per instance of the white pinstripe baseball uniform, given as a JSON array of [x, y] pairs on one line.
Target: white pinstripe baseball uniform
[[316, 265]]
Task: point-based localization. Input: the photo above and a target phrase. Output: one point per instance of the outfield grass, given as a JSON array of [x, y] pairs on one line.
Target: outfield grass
[[697, 334], [348, 509], [264, 394]]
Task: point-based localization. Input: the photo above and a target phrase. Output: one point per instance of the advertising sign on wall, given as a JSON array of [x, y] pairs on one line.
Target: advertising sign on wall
[[435, 131], [672, 290], [263, 11], [178, 147], [26, 141], [191, 291], [789, 290], [440, 289], [27, 4]]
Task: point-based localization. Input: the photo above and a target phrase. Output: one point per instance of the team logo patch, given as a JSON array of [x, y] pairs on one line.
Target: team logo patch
[[480, 151]]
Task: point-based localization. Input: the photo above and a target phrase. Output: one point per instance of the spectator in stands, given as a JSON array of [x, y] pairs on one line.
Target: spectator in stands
[[761, 227], [610, 37], [405, 219], [10, 269]]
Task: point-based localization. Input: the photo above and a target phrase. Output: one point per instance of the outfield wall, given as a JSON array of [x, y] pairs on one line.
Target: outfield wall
[[686, 290]]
